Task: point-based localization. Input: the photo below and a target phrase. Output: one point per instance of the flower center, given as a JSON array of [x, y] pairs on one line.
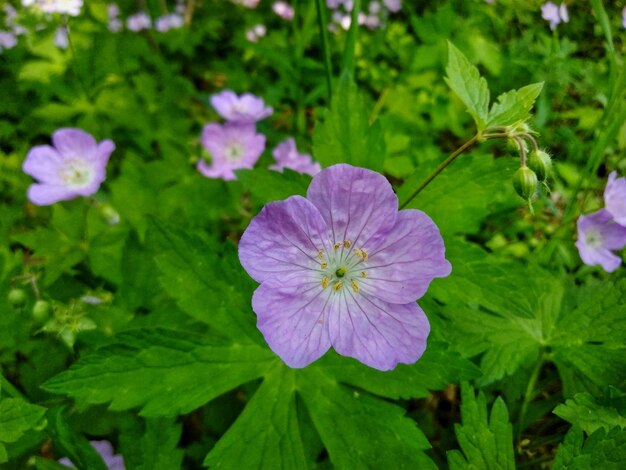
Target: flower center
[[234, 152], [593, 239], [341, 266], [76, 173]]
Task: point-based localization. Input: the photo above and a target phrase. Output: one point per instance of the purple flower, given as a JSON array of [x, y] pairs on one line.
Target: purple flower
[[598, 235], [256, 32], [105, 449], [231, 146], [138, 21], [7, 40], [343, 268], [75, 166], [167, 22], [555, 15], [615, 198], [624, 17], [393, 6], [284, 10], [246, 108], [287, 156], [61, 38]]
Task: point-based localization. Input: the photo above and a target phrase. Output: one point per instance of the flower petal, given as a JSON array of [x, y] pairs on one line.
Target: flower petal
[[358, 205], [283, 239], [413, 254], [72, 142], [293, 321], [615, 198], [105, 149], [43, 163], [46, 194], [378, 334]]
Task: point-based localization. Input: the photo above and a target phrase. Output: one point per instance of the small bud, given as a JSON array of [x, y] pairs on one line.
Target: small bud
[[109, 214], [525, 182], [17, 297], [41, 310], [541, 163]]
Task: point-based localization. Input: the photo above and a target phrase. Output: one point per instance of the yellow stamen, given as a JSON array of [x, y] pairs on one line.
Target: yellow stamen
[[336, 245], [364, 255], [347, 243], [337, 287], [355, 286], [363, 274], [324, 265], [325, 282], [358, 253], [320, 254]]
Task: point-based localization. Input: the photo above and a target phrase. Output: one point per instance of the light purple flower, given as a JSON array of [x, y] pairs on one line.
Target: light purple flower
[[284, 10], [598, 235], [105, 449], [246, 108], [61, 38], [624, 17], [74, 166], [393, 6], [64, 7], [554, 14], [167, 22], [232, 146], [615, 198], [256, 32], [287, 156], [7, 40], [246, 3], [343, 268], [138, 21]]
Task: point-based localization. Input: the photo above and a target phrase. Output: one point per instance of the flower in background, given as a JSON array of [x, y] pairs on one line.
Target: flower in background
[[554, 14], [64, 7], [167, 22], [624, 17], [246, 108], [598, 236], [287, 156], [246, 3], [615, 198], [232, 146], [105, 449], [139, 21], [256, 32], [343, 268], [74, 166], [7, 40], [393, 6], [284, 10], [61, 38], [114, 24]]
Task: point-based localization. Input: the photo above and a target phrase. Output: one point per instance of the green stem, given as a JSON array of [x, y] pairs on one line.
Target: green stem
[[470, 143], [530, 391], [605, 24], [349, 50], [70, 43], [189, 11], [322, 22]]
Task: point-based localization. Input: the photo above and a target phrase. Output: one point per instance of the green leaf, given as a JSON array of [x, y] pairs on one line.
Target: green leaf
[[514, 106], [269, 185], [465, 80], [486, 442], [360, 431], [604, 450], [16, 417], [345, 135], [162, 371], [44, 464], [73, 445], [211, 288], [590, 413], [267, 429], [152, 444], [459, 199]]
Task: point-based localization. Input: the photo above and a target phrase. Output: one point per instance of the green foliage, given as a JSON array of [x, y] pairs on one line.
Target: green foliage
[[590, 413], [486, 440], [602, 449], [151, 444], [345, 134], [16, 417]]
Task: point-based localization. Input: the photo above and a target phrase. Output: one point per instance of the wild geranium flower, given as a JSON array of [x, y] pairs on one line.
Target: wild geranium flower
[[139, 21], [246, 108], [74, 166], [231, 146], [256, 32], [554, 14], [167, 22], [343, 268], [7, 40], [64, 7], [284, 10], [105, 449], [287, 156], [615, 198], [598, 236]]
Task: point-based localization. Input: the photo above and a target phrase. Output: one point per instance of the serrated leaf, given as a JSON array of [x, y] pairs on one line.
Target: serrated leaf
[[163, 372], [486, 442], [269, 185], [267, 428], [591, 413], [459, 199], [73, 445], [465, 80], [604, 450], [514, 106], [360, 431], [16, 417], [344, 135], [152, 444]]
